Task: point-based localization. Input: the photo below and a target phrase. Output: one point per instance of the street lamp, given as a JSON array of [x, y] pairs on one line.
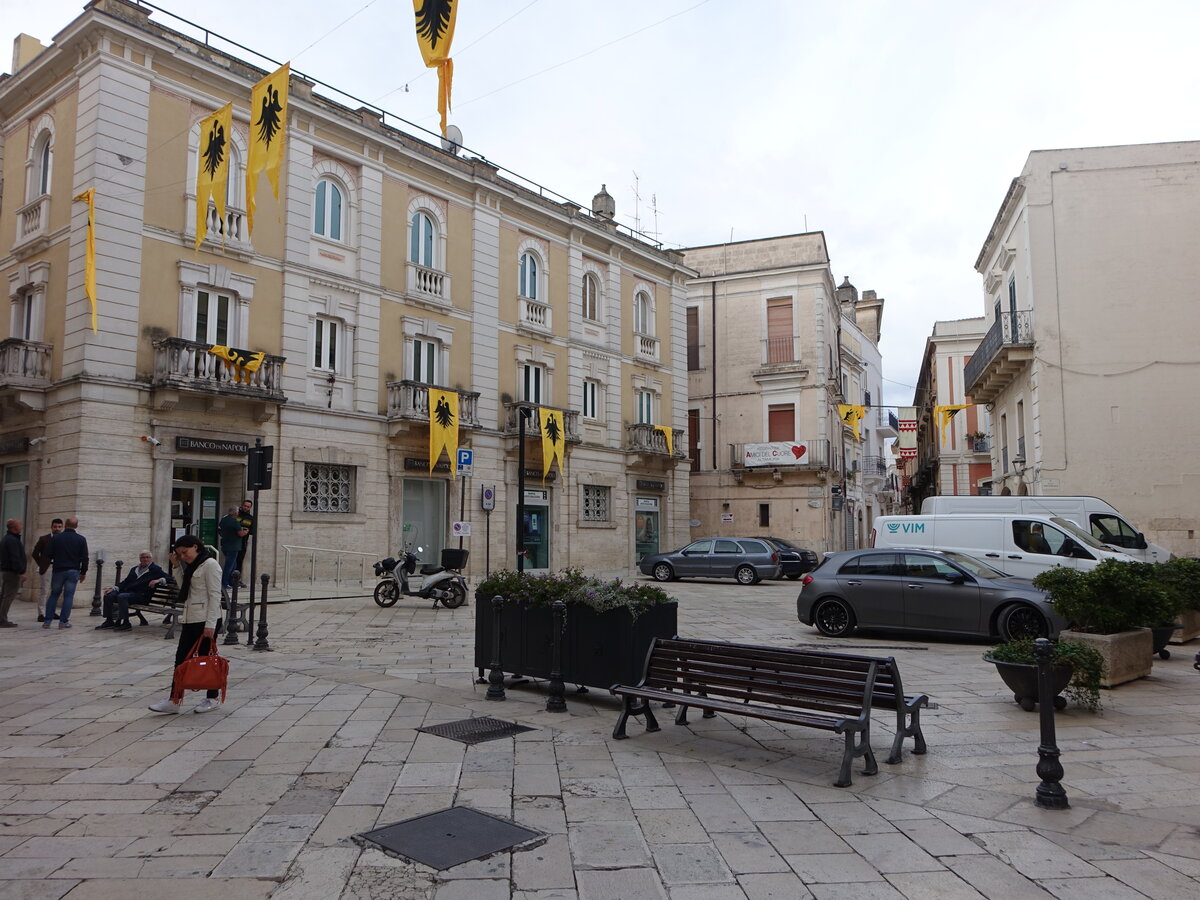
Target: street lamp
[[1018, 464], [523, 414]]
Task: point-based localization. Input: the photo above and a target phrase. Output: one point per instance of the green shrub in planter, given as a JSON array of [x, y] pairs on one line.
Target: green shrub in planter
[[1113, 597], [1086, 664], [1180, 577], [572, 587]]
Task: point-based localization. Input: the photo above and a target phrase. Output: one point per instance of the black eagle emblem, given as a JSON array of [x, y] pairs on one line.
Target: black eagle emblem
[[442, 413], [268, 119], [433, 18], [214, 150], [553, 433]]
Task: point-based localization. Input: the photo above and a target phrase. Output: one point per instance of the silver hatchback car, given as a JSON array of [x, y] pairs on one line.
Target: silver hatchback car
[[922, 590], [749, 560]]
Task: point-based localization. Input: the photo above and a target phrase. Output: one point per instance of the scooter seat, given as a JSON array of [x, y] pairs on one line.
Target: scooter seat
[[431, 570]]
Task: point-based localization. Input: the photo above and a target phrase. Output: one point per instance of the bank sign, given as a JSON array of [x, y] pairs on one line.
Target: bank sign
[[776, 453], [906, 527]]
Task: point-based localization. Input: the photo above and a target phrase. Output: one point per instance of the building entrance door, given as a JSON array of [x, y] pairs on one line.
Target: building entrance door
[[195, 503], [537, 530], [646, 528]]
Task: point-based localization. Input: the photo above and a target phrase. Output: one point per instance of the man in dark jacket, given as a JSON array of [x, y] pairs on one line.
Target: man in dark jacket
[[134, 588], [12, 569], [231, 533], [245, 515], [41, 558], [69, 552]]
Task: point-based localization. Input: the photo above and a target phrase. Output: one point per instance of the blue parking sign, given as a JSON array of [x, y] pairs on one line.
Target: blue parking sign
[[465, 459]]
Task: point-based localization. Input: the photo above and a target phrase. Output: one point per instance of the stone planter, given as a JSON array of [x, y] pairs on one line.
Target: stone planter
[[1022, 680], [1189, 627], [598, 649], [1128, 655]]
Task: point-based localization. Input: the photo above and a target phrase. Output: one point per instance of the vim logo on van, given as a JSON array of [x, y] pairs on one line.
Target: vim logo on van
[[906, 527]]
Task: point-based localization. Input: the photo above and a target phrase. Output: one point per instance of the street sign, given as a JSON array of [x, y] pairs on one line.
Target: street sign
[[488, 497], [460, 529], [465, 458]]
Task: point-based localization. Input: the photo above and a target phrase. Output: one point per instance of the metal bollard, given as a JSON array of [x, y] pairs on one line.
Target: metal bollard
[[231, 623], [495, 689], [261, 643], [1050, 793], [556, 702], [96, 593]]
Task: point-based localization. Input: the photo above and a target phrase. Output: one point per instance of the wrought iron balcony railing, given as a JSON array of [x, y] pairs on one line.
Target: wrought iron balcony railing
[[187, 365], [1011, 329], [410, 400], [533, 427]]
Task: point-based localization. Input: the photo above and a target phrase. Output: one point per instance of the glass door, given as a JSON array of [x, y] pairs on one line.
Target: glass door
[[537, 530], [646, 527], [424, 518]]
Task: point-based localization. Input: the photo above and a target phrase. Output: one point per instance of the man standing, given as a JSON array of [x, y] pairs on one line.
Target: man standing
[[69, 552], [231, 533], [246, 517], [41, 556], [134, 588], [12, 569]]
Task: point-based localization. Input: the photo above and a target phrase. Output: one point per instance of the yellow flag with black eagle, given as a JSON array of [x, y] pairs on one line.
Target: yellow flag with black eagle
[[553, 436], [89, 260], [268, 130], [243, 362], [945, 413], [212, 169], [435, 31], [852, 414], [443, 425]]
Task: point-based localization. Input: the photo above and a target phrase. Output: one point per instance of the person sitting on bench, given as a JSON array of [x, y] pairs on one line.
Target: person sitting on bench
[[135, 587]]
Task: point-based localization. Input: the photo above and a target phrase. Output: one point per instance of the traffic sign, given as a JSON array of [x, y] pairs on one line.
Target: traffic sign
[[460, 529], [465, 458], [488, 496]]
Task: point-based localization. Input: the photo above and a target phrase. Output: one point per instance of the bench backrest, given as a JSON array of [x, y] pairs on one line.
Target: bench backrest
[[840, 685]]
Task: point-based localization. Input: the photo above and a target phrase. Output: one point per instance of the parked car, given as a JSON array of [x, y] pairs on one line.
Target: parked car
[[793, 560], [922, 590], [749, 560]]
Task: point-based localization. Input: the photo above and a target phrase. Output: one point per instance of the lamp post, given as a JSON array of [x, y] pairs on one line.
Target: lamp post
[[524, 413]]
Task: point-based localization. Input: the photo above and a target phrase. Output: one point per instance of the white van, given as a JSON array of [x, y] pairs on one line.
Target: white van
[[1018, 545], [1090, 513]]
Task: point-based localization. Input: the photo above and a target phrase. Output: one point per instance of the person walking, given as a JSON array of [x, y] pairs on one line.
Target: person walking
[[231, 534], [245, 515], [12, 568], [69, 555], [200, 597], [41, 556]]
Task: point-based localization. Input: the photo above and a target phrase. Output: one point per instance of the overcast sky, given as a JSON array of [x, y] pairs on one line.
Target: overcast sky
[[894, 127]]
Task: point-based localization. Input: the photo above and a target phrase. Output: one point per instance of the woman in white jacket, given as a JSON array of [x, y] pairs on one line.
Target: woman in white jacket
[[200, 596]]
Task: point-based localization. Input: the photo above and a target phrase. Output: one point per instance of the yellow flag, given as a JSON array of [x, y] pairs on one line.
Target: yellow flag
[[852, 415], [89, 265], [666, 433], [241, 361], [945, 413], [435, 31], [268, 130], [212, 169], [552, 438], [443, 424]]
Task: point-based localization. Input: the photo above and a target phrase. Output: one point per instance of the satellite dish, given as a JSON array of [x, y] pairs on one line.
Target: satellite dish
[[452, 142]]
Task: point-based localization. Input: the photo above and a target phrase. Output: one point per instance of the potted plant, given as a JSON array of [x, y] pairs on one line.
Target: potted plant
[[1109, 607], [607, 628], [1078, 670], [1181, 576]]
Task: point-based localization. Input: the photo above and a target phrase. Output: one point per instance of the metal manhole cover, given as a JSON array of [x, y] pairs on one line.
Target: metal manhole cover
[[445, 839], [476, 730]]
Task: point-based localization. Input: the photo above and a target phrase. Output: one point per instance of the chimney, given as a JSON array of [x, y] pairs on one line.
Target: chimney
[[603, 205]]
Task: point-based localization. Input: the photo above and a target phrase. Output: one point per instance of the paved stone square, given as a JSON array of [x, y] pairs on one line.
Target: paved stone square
[[318, 741]]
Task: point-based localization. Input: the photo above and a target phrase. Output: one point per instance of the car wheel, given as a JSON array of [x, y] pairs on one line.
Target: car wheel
[[792, 576], [1021, 621], [746, 575], [663, 572], [833, 618]]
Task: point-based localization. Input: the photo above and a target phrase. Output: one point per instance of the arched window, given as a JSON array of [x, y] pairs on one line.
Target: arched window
[[591, 297], [643, 318], [42, 156], [421, 240], [328, 210], [528, 277]]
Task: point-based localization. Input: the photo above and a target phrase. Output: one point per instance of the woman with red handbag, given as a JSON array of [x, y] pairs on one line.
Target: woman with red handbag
[[200, 597]]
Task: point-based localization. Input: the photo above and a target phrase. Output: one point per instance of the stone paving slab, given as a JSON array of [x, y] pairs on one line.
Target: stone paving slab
[[318, 742]]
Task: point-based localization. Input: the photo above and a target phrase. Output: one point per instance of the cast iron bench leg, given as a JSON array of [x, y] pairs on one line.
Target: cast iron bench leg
[[634, 706]]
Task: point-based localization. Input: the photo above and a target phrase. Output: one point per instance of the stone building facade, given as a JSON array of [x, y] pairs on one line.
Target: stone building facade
[[388, 265]]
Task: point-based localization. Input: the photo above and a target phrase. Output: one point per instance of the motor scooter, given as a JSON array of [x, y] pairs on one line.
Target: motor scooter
[[442, 584]]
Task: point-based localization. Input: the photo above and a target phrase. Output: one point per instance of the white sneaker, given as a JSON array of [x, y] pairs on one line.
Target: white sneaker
[[165, 706], [208, 704]]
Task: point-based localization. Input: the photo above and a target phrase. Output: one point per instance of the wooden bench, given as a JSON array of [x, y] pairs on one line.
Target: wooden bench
[[164, 601], [829, 691]]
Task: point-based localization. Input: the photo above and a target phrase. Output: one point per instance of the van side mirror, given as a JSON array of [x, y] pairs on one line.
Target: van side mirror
[[1140, 542]]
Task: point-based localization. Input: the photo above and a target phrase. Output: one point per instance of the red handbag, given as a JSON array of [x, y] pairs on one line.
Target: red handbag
[[201, 672]]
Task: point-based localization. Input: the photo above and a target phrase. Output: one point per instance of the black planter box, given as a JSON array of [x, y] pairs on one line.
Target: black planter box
[[598, 649]]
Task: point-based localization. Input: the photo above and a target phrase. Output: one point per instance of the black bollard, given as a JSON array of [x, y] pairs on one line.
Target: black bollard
[[495, 689], [556, 702], [231, 622], [261, 643], [1050, 793], [96, 593]]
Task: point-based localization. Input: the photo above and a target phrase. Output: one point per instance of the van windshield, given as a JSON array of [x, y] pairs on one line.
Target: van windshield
[[1079, 534]]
